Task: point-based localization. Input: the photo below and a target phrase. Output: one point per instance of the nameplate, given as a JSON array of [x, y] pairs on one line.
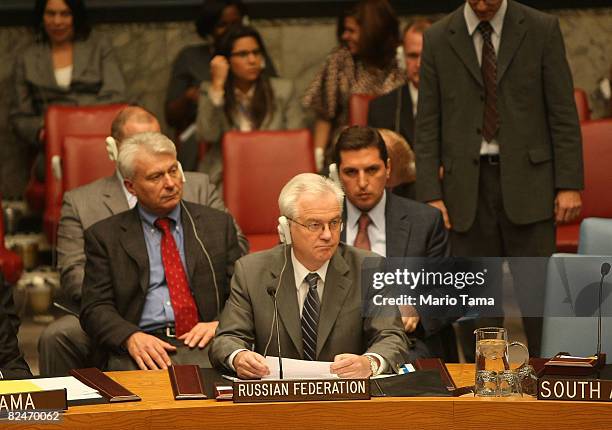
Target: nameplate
[[301, 390], [577, 389], [52, 400]]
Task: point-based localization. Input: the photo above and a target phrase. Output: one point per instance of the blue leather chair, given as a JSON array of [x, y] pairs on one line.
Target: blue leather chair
[[595, 236], [572, 287]]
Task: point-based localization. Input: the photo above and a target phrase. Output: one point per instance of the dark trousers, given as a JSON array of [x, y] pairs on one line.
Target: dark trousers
[[493, 235]]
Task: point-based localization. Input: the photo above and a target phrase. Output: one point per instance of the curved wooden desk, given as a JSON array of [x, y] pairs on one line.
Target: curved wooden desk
[[158, 410]]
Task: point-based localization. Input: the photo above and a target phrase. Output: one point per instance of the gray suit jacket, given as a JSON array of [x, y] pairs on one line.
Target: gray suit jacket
[[212, 122], [247, 317], [86, 205], [96, 79], [539, 135], [117, 271]]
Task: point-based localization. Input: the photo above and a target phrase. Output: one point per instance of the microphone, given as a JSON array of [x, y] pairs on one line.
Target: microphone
[[272, 292], [605, 269]]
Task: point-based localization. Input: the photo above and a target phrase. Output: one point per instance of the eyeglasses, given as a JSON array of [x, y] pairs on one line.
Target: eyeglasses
[[319, 227], [245, 54]]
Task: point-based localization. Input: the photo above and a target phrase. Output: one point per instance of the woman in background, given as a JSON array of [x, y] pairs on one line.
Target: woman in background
[[192, 65], [364, 63], [66, 65], [241, 97]]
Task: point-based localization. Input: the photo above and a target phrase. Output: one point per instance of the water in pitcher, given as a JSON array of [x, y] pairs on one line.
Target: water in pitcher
[[491, 360], [491, 355]]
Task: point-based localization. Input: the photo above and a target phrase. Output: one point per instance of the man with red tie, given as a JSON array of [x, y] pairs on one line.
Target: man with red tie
[[156, 276]]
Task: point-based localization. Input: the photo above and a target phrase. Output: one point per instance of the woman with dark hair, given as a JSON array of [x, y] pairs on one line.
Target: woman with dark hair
[[192, 65], [364, 63], [241, 97], [66, 65]]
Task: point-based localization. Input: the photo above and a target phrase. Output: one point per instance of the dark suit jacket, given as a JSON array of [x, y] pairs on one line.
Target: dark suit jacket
[[12, 364], [117, 270], [86, 205], [247, 317], [382, 113], [415, 229], [539, 135]]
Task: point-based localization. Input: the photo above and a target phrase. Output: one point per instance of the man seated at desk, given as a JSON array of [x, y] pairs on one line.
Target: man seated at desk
[[317, 283], [63, 345], [156, 276]]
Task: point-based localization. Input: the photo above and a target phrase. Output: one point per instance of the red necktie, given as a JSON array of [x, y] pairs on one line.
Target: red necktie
[[185, 310], [489, 76], [362, 240]]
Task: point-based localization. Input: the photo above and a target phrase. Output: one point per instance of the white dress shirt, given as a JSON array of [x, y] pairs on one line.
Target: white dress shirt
[[497, 23], [376, 229], [414, 96]]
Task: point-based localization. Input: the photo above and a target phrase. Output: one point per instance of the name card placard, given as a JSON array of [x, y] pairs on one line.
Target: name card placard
[[52, 400], [301, 390], [577, 389]]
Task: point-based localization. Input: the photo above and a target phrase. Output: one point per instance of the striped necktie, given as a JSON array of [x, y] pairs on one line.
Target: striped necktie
[[310, 317]]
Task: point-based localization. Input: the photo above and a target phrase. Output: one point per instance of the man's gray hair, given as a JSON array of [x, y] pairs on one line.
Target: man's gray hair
[[153, 143], [306, 183]]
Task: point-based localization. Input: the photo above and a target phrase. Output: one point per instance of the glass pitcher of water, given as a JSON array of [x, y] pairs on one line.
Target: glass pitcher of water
[[492, 359]]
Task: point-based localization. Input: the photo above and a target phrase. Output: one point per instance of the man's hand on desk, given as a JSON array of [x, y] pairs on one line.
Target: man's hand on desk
[[148, 351], [200, 334], [250, 365], [351, 366]]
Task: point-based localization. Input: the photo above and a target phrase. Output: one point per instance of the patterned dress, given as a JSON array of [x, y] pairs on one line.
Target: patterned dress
[[343, 75]]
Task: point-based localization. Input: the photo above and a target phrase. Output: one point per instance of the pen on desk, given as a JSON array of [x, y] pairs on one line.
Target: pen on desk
[[230, 378]]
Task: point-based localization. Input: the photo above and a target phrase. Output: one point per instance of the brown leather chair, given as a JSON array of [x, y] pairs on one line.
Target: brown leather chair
[[256, 165]]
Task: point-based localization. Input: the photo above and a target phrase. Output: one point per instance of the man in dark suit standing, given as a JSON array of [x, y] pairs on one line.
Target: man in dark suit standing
[[397, 110], [157, 276], [390, 225], [12, 364], [496, 111], [317, 285]]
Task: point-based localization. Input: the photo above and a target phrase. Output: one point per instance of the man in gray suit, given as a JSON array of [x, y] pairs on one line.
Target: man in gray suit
[[63, 345], [317, 286], [390, 225], [157, 276], [496, 111]]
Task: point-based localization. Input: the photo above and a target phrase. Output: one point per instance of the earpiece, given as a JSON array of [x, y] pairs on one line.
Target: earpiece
[[111, 148], [180, 167], [284, 232], [263, 63], [333, 174], [210, 263]]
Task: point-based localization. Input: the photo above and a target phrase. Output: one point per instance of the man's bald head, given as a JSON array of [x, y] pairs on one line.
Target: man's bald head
[[133, 120]]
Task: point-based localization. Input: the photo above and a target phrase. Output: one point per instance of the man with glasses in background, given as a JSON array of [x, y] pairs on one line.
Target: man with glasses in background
[[316, 283]]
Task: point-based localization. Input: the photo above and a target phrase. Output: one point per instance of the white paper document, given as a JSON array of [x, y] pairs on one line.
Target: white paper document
[[75, 389], [299, 369]]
